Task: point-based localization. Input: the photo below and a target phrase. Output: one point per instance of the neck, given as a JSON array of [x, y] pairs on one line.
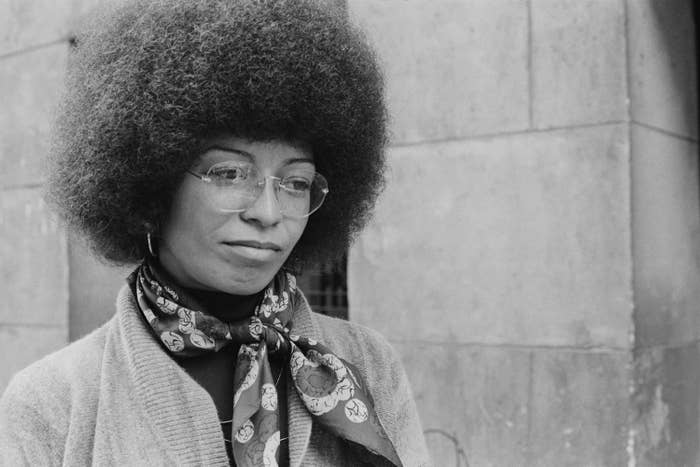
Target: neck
[[225, 306]]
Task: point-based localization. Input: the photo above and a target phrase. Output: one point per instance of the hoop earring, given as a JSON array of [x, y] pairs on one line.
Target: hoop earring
[[149, 241]]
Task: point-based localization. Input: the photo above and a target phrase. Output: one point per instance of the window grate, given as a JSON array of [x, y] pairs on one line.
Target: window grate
[[326, 288]]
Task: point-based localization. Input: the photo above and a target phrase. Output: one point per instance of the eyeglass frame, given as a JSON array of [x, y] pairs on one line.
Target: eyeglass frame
[[262, 183]]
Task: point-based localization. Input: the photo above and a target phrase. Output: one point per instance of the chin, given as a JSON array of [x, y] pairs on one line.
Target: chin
[[246, 285], [245, 290]]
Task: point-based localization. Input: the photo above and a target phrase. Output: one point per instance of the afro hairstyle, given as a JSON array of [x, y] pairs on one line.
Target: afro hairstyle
[[149, 81]]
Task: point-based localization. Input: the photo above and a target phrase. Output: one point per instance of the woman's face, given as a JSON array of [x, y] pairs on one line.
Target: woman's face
[[239, 253]]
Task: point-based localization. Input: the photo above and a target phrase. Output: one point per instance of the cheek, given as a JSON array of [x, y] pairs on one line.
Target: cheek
[[187, 220], [298, 229]]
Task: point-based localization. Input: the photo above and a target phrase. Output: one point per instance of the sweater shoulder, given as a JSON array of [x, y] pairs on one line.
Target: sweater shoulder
[[383, 372], [353, 341], [52, 377]]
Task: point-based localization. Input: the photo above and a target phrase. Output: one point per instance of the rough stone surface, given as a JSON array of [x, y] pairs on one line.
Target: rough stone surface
[[666, 232], [28, 23], [31, 84], [33, 266], [578, 62], [579, 408], [472, 399], [454, 68], [663, 68], [93, 289], [511, 240], [665, 403], [22, 345], [518, 242]]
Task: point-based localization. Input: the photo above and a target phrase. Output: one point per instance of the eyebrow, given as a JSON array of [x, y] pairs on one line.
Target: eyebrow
[[252, 157]]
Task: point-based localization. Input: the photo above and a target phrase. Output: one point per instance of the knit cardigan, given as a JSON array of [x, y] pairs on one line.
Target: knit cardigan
[[115, 397]]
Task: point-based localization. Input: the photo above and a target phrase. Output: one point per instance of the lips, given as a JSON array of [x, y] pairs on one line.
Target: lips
[[255, 244]]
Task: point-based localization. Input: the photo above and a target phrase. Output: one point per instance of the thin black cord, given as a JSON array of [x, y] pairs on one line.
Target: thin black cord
[[460, 454]]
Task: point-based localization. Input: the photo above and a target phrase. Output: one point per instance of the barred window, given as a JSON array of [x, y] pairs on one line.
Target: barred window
[[326, 288]]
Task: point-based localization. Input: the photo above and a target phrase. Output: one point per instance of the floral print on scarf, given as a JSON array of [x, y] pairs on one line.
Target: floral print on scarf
[[330, 388]]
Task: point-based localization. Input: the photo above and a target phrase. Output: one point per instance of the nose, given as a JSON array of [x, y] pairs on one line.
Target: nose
[[266, 208]]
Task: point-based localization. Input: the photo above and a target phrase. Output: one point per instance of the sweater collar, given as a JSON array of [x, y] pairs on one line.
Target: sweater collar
[[300, 421], [170, 396]]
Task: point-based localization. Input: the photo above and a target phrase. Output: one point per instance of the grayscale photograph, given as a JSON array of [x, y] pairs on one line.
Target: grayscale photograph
[[408, 233]]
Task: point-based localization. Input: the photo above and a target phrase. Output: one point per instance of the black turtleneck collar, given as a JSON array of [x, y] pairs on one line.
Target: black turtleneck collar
[[226, 307]]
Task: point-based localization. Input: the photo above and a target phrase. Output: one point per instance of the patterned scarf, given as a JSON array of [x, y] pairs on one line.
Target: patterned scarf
[[331, 388]]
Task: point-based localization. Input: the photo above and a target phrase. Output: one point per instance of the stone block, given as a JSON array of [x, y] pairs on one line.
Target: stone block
[[93, 288], [453, 68], [28, 23], [31, 84], [520, 239], [471, 399], [663, 65], [580, 406], [665, 406], [22, 345], [578, 62], [33, 261], [666, 232]]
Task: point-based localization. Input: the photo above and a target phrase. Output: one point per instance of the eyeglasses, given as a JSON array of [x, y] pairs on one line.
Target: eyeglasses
[[235, 186]]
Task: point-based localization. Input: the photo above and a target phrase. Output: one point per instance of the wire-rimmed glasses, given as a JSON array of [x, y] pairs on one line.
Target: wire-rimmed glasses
[[234, 186]]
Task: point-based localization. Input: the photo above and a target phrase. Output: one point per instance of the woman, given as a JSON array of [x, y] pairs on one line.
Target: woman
[[222, 145]]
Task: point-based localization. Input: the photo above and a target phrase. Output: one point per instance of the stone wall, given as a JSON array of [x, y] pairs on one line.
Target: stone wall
[[666, 234], [33, 267], [39, 263], [534, 258]]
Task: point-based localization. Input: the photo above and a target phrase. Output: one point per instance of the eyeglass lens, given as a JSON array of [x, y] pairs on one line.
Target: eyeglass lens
[[235, 187]]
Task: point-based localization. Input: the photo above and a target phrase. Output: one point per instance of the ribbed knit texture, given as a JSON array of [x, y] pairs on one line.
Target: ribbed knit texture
[[116, 398]]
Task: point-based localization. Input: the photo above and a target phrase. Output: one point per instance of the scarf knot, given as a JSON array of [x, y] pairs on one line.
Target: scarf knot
[[331, 388], [255, 330]]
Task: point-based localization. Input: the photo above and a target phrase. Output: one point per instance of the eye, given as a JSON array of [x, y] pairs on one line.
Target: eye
[[297, 184], [229, 173]]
